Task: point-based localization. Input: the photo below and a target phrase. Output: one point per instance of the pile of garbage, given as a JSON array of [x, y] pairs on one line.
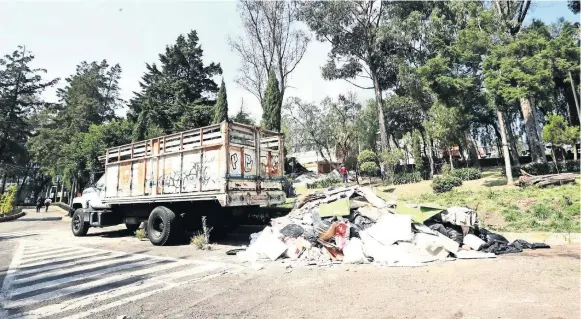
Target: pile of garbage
[[354, 225]]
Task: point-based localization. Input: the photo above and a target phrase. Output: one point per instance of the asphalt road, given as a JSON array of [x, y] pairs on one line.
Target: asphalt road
[[48, 273]]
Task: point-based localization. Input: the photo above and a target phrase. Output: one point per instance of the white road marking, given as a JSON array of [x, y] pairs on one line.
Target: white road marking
[[112, 289], [59, 266], [17, 234], [80, 302]]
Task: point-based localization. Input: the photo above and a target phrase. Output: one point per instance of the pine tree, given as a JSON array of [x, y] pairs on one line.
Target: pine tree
[[242, 116], [272, 104], [221, 107]]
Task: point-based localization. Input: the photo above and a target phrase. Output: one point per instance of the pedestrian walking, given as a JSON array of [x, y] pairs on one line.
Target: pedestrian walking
[[343, 171], [47, 203], [39, 203]]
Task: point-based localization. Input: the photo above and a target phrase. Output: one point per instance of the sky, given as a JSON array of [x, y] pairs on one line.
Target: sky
[[62, 34]]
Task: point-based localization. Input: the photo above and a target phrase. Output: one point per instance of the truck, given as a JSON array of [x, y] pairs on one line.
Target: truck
[[221, 171]]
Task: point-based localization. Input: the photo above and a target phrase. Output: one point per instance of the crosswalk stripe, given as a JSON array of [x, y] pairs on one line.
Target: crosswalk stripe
[[50, 283], [88, 285], [72, 263], [16, 235], [80, 302], [47, 252], [87, 254], [10, 276], [63, 271], [136, 297], [25, 262]]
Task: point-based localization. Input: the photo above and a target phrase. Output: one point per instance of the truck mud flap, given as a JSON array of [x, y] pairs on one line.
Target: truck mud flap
[[104, 218]]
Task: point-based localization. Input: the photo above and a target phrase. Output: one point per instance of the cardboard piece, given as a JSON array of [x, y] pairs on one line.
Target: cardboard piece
[[339, 207], [471, 254]]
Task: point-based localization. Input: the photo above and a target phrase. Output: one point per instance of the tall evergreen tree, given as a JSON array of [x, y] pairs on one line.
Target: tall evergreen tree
[[178, 95], [20, 90], [272, 106], [242, 116], [221, 107]]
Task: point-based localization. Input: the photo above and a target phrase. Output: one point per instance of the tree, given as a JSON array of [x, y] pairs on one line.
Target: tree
[[272, 43], [574, 6], [368, 163], [271, 114], [221, 107], [389, 160], [360, 45], [20, 98], [445, 124], [180, 94], [242, 116], [557, 132]]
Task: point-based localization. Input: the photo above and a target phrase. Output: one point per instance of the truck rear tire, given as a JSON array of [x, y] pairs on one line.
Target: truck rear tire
[[162, 226], [78, 224]]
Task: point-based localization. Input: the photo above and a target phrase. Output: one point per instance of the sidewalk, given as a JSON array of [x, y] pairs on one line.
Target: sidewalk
[[53, 213]]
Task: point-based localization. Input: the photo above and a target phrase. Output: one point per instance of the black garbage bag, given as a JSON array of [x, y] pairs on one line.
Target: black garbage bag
[[517, 246], [292, 230], [488, 236], [453, 232]]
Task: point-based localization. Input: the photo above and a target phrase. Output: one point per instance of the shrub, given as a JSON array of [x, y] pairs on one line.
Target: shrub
[[7, 200], [367, 156], [445, 183], [325, 182], [467, 174], [198, 241], [369, 169], [140, 234], [407, 178]]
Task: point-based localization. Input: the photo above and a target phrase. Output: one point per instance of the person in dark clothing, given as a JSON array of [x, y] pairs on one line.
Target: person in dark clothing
[[39, 203]]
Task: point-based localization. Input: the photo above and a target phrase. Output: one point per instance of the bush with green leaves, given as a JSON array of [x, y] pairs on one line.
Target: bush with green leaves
[[369, 169], [466, 174], [443, 184], [326, 182], [367, 156], [407, 178], [8, 200]]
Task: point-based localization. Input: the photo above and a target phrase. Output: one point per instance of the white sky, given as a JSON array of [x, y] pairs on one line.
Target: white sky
[[61, 34]]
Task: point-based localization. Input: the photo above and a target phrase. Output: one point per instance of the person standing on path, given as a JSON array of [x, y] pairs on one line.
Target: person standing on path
[[47, 203], [39, 203], [344, 172]]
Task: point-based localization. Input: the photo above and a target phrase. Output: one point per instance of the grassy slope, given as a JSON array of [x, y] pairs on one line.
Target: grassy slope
[[500, 207]]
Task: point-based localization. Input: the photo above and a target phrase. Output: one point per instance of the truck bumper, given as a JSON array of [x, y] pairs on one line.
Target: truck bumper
[[265, 198]]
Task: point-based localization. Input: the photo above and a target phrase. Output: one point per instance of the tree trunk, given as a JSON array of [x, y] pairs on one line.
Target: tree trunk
[[379, 101], [513, 150], [575, 95], [531, 131], [450, 156], [472, 150], [575, 150], [428, 151], [507, 165], [3, 184], [538, 129], [554, 159]]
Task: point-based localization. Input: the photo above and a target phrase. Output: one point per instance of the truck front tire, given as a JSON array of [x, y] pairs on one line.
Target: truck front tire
[[78, 224], [162, 226]]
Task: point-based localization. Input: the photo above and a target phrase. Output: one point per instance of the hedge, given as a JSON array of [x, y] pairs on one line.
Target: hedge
[[445, 183]]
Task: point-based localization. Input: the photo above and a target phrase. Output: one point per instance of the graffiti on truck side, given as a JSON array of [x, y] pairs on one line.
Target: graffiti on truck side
[[190, 178]]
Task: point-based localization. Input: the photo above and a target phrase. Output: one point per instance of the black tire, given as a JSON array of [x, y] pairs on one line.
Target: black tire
[[163, 226], [78, 225], [132, 227]]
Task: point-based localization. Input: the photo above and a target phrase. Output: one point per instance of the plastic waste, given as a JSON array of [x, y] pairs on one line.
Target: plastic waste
[[353, 252], [292, 230]]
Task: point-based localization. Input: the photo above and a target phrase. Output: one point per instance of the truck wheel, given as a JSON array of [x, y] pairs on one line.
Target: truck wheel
[[162, 226], [132, 227], [78, 225]]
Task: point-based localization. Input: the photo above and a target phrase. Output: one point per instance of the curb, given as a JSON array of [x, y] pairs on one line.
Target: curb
[[12, 217]]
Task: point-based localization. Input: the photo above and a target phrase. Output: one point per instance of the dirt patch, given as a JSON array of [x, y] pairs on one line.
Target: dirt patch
[[525, 203], [492, 220]]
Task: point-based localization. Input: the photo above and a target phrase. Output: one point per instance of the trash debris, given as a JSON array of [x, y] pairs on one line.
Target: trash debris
[[353, 225], [234, 251], [473, 242], [292, 230]]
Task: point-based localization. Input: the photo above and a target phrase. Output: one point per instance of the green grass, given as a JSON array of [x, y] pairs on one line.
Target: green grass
[[554, 209]]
